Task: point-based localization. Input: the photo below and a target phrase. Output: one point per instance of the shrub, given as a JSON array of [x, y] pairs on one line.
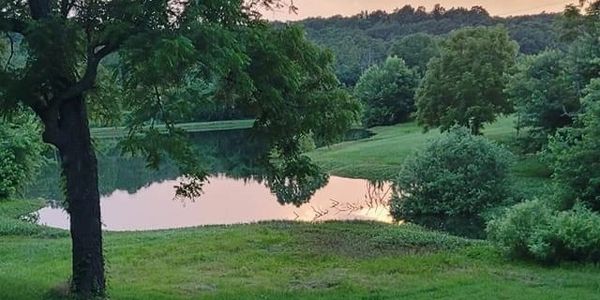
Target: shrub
[[457, 174], [532, 230], [20, 155]]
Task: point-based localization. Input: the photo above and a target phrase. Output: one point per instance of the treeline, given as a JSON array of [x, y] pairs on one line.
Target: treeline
[[366, 39]]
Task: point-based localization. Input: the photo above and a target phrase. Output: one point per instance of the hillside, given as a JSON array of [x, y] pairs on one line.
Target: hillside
[[364, 39]]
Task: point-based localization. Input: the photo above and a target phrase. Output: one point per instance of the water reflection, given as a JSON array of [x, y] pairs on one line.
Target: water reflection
[[231, 201], [135, 198]]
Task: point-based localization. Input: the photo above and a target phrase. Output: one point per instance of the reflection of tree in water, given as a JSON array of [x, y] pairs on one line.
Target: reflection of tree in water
[[234, 153], [377, 197]]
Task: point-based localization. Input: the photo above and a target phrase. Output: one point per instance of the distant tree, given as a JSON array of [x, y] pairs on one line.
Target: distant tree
[[387, 93], [416, 50], [465, 85], [544, 94]]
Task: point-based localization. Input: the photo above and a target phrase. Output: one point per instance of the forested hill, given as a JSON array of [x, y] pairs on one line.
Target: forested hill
[[365, 39]]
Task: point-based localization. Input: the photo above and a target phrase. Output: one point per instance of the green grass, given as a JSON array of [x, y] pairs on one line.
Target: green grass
[[287, 260], [118, 132]]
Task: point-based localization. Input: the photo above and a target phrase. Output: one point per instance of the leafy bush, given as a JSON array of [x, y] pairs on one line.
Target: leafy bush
[[533, 230], [387, 93], [457, 174], [20, 155]]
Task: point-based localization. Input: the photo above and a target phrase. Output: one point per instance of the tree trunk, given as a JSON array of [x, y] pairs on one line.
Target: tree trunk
[[80, 169]]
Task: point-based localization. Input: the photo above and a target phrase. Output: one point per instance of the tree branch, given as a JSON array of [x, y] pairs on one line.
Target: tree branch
[[12, 50], [89, 77]]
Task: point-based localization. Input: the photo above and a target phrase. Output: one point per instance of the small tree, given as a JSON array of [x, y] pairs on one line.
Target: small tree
[[465, 85], [416, 50], [456, 174], [387, 93]]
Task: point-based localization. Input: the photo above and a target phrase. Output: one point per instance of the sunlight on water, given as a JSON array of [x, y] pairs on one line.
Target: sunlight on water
[[231, 201]]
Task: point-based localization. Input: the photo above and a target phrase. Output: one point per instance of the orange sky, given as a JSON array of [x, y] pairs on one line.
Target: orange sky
[[324, 8]]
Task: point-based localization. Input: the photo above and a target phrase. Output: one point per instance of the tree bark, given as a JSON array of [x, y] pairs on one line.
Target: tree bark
[[80, 169]]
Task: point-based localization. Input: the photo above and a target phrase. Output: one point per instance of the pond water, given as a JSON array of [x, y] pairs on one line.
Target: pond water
[[135, 198], [231, 201]]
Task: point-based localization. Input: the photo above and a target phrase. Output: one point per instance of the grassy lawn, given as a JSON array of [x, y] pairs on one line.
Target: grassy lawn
[[117, 132], [286, 260]]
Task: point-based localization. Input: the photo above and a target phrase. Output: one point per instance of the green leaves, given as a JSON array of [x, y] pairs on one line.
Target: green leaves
[[20, 154], [465, 85], [544, 94], [387, 93], [457, 174], [574, 157]]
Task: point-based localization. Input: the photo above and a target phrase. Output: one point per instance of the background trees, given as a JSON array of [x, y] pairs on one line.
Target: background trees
[[416, 50], [465, 85], [387, 93], [544, 94], [367, 38]]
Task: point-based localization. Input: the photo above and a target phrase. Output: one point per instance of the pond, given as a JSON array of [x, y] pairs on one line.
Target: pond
[[230, 201], [135, 198]]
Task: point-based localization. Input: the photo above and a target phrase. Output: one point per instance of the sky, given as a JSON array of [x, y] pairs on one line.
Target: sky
[[326, 8]]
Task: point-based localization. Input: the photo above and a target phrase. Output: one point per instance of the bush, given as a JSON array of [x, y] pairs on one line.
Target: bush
[[532, 230], [457, 174], [20, 155]]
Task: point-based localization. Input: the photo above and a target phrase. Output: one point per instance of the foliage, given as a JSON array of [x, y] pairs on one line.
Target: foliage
[[544, 94], [465, 85], [365, 39], [20, 155], [532, 230], [387, 93], [581, 27], [574, 157], [416, 50], [456, 174]]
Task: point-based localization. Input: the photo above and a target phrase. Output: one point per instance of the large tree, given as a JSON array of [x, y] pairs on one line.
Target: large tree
[[167, 53], [465, 84]]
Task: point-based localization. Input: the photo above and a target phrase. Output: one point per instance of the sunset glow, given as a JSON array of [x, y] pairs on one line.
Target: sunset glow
[[326, 8]]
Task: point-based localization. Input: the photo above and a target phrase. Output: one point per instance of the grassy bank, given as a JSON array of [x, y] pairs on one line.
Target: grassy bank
[[278, 260], [118, 132]]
